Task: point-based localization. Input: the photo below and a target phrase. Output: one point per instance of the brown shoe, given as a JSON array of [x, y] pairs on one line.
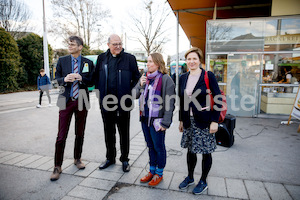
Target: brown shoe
[[79, 164], [55, 175]]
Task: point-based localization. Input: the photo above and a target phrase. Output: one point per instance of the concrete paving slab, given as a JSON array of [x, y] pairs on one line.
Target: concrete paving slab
[[72, 169], [142, 161], [29, 160], [132, 176], [71, 198], [25, 183], [47, 166], [135, 152], [98, 183], [236, 188], [87, 193], [67, 163], [277, 191], [39, 162], [9, 157], [89, 168], [294, 191], [5, 153], [216, 186], [176, 180], [256, 190], [135, 192], [106, 175], [17, 159]]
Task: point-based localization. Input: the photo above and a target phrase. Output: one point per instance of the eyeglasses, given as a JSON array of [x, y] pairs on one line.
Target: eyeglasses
[[117, 44]]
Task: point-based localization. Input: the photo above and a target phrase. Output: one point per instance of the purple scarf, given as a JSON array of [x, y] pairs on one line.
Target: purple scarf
[[154, 90]]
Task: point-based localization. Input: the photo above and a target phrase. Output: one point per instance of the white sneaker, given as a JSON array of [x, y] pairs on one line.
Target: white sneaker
[[38, 106], [49, 105]]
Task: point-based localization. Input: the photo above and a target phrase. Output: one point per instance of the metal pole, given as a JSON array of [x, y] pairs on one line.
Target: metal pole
[[45, 44], [177, 54]]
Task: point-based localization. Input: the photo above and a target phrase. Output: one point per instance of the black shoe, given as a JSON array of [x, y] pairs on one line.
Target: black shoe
[[126, 166], [106, 164]]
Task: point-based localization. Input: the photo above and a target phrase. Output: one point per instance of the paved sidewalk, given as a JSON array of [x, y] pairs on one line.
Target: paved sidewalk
[[262, 164]]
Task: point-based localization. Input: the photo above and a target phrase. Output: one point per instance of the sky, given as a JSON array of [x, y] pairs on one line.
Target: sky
[[118, 24]]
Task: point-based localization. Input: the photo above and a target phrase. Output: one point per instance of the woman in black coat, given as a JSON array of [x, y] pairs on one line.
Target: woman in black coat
[[198, 121]]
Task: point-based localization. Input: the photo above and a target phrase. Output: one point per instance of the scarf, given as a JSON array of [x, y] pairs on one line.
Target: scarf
[[154, 90]]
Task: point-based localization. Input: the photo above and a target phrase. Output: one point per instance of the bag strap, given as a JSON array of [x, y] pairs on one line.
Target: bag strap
[[206, 79]]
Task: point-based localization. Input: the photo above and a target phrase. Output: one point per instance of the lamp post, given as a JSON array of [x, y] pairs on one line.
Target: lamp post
[[45, 43]]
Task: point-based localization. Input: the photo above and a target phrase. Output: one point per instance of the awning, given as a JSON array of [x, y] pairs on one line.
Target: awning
[[193, 14]]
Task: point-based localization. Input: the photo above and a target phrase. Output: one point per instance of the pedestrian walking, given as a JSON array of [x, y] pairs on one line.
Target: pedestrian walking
[[44, 85]]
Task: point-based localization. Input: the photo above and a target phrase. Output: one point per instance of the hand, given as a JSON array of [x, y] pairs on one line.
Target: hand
[[143, 80], [180, 126], [213, 127], [161, 128], [69, 78], [77, 77]]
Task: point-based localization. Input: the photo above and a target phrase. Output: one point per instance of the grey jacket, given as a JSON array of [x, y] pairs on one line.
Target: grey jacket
[[168, 97]]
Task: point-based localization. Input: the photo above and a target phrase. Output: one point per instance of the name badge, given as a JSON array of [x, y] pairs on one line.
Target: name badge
[[85, 68]]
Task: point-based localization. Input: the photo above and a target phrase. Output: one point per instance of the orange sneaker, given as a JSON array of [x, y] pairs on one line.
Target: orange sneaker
[[146, 178], [155, 180]]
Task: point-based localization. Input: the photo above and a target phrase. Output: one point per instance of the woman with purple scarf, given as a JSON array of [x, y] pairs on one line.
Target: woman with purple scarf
[[156, 93]]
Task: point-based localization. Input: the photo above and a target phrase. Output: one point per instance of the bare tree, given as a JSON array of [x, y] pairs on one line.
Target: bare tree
[[14, 17], [219, 32], [79, 17], [150, 26]]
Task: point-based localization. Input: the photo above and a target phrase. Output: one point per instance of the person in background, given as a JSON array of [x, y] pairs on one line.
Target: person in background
[[198, 125], [44, 85], [74, 73], [287, 75], [155, 120], [116, 75]]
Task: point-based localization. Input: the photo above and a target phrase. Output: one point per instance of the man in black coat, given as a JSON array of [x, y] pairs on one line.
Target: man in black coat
[[73, 73], [116, 74]]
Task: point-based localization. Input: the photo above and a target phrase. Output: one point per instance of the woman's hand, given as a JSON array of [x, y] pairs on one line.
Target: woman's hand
[[180, 126], [213, 127], [143, 80], [161, 128]]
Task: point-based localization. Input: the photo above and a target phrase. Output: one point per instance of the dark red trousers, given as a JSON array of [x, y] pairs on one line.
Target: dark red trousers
[[65, 117]]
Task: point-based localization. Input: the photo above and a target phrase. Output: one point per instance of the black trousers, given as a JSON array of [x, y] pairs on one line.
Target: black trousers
[[112, 119], [41, 95]]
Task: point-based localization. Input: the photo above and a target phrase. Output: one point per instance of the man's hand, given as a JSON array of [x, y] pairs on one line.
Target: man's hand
[[69, 78], [73, 77]]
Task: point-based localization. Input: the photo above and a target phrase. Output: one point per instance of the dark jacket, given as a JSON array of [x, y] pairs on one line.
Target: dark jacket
[[43, 82], [127, 76], [203, 118], [63, 68]]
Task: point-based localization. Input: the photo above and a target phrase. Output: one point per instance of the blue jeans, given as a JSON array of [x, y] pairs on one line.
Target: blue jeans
[[156, 144]]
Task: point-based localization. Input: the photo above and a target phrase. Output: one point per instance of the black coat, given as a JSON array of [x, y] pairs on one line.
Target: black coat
[[127, 77], [203, 118]]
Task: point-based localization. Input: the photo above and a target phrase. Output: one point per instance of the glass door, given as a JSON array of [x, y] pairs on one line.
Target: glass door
[[243, 76]]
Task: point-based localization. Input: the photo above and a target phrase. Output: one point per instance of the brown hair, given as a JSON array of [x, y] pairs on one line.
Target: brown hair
[[159, 61], [42, 70], [195, 50]]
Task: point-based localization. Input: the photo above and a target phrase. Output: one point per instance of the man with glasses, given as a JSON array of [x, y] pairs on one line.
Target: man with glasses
[[116, 74], [74, 74]]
